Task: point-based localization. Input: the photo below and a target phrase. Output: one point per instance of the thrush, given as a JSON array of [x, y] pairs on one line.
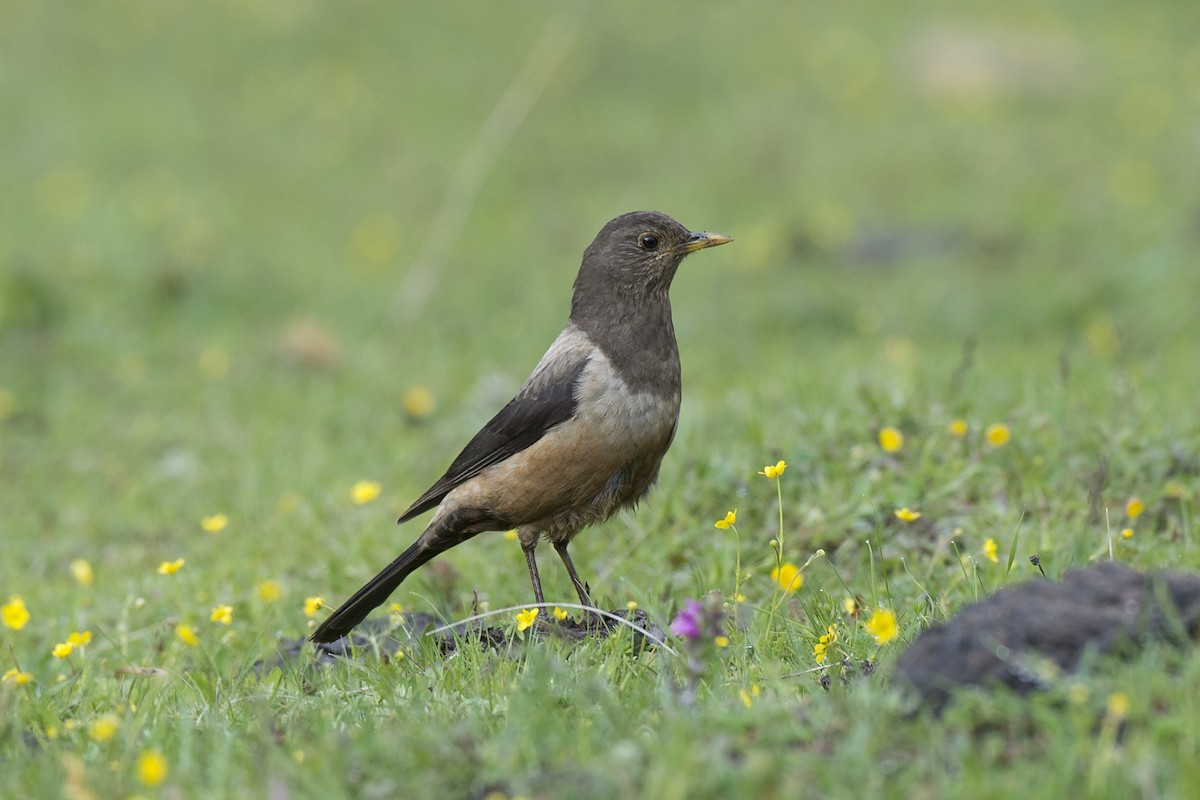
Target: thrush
[[586, 433]]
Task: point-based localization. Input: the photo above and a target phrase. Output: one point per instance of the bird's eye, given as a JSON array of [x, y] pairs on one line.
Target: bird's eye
[[648, 242]]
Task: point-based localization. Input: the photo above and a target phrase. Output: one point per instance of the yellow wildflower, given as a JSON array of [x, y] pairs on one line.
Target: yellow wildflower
[[1134, 508], [1118, 705], [222, 614], [728, 521], [989, 550], [906, 514], [396, 608], [882, 625], [788, 577], [14, 613], [721, 641], [16, 676], [891, 440], [774, 471], [214, 524], [78, 639], [997, 434], [62, 650], [81, 571], [418, 402], [748, 697], [959, 428], [312, 605], [151, 768], [104, 728], [269, 591], [170, 567], [186, 634], [631, 605], [510, 536], [850, 606], [1127, 533], [526, 618], [559, 614], [821, 648], [364, 492]]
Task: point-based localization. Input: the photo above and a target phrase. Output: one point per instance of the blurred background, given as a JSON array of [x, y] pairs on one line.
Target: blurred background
[[251, 252]]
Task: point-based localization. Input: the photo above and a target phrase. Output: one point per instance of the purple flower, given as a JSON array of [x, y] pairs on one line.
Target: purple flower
[[688, 623]]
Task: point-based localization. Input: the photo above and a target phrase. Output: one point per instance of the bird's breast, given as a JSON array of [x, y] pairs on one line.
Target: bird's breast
[[627, 418], [617, 432]]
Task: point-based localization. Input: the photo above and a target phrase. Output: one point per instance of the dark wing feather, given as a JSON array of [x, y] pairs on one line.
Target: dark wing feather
[[527, 417]]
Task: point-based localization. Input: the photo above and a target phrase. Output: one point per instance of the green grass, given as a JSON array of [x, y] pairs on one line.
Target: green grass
[[988, 215]]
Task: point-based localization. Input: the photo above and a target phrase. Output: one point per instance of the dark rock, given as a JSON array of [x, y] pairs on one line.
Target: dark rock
[[1020, 636]]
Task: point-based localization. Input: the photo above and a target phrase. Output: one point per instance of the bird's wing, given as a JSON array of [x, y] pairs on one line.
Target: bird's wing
[[547, 399]]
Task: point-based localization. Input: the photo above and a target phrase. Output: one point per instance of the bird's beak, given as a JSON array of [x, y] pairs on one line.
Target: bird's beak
[[698, 241]]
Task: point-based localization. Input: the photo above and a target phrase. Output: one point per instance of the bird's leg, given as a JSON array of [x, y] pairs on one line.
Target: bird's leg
[[580, 588], [533, 570]]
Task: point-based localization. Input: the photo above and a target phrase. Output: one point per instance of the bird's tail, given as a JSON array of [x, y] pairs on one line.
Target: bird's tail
[[376, 591]]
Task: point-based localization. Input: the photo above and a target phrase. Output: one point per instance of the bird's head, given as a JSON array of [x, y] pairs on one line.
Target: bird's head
[[635, 256]]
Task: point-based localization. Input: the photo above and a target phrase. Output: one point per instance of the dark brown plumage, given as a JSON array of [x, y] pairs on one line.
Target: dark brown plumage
[[585, 435]]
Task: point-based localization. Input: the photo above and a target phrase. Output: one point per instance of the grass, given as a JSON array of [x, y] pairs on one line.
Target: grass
[[986, 215]]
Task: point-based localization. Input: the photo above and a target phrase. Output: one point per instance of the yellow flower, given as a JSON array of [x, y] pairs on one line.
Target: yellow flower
[[821, 648], [788, 577], [214, 524], [1127, 533], [269, 591], [186, 634], [16, 676], [721, 641], [1134, 508], [631, 605], [14, 613], [891, 440], [997, 434], [418, 402], [774, 471], [989, 550], [559, 614], [510, 536], [1119, 705], [364, 492], [81, 571], [151, 768], [906, 514], [850, 606], [745, 696], [170, 567], [78, 639], [104, 728], [882, 625], [62, 649], [958, 428], [222, 614], [526, 618], [396, 608], [729, 520], [312, 605]]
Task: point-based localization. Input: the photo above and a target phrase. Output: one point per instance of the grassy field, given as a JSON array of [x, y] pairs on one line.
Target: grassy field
[[252, 254]]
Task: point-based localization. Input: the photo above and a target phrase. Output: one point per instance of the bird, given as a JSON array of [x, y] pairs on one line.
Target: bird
[[587, 431]]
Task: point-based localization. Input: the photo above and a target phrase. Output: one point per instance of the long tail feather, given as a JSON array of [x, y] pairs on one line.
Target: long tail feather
[[375, 592]]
